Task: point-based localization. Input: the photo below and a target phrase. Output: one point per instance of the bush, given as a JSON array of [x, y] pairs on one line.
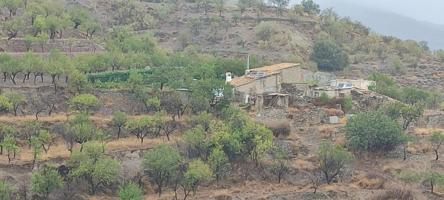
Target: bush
[[398, 194], [5, 104], [324, 99], [116, 76], [373, 131], [347, 104], [279, 128], [130, 191], [265, 31], [329, 56]]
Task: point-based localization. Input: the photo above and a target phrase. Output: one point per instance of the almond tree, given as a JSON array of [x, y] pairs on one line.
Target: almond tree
[[437, 139], [332, 160]]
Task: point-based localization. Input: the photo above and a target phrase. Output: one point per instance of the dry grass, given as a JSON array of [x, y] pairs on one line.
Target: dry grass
[[59, 150], [369, 181], [426, 131]]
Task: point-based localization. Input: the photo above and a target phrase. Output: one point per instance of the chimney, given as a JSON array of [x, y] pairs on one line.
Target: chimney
[[228, 77]]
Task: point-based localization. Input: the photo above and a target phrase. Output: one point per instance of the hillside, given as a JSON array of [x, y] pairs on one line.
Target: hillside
[[128, 99], [186, 27]]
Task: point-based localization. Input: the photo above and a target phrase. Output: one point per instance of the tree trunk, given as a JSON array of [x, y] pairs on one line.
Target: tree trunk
[[118, 131], [13, 75], [436, 154]]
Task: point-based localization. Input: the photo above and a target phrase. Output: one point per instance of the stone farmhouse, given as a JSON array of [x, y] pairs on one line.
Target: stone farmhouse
[[268, 86]]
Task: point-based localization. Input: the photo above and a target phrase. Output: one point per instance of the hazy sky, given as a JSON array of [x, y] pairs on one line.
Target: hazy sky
[[425, 10]]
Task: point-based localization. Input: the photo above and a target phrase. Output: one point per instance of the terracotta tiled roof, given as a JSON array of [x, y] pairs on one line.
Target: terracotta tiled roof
[[269, 70], [242, 80], [275, 67]]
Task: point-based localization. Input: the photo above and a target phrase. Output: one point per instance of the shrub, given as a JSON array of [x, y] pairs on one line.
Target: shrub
[[324, 98], [5, 104], [329, 56], [279, 128], [347, 104], [265, 31], [373, 131], [130, 191], [399, 194]]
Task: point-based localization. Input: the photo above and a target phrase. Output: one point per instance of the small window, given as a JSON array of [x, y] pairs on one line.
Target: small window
[[341, 95]]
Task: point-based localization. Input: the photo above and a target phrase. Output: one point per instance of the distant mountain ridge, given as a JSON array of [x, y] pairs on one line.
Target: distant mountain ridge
[[389, 23]]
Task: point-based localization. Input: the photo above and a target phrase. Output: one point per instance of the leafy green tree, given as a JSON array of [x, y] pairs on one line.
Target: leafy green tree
[[91, 27], [46, 139], [78, 83], [55, 24], [5, 104], [30, 63], [9, 144], [11, 5], [219, 163], [310, 7], [203, 119], [84, 103], [329, 56], [280, 167], [196, 143], [78, 16], [6, 190], [220, 6], [411, 113], [46, 180], [36, 148], [17, 99], [42, 39], [437, 139], [385, 85], [119, 120], [197, 173], [142, 127], [12, 27], [130, 191], [332, 160], [82, 129], [372, 131], [30, 129], [161, 163], [5, 130], [433, 178], [94, 166], [413, 95], [56, 63]]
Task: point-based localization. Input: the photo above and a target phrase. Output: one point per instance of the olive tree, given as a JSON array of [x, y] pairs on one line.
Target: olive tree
[[329, 56], [332, 160], [17, 99], [373, 131]]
